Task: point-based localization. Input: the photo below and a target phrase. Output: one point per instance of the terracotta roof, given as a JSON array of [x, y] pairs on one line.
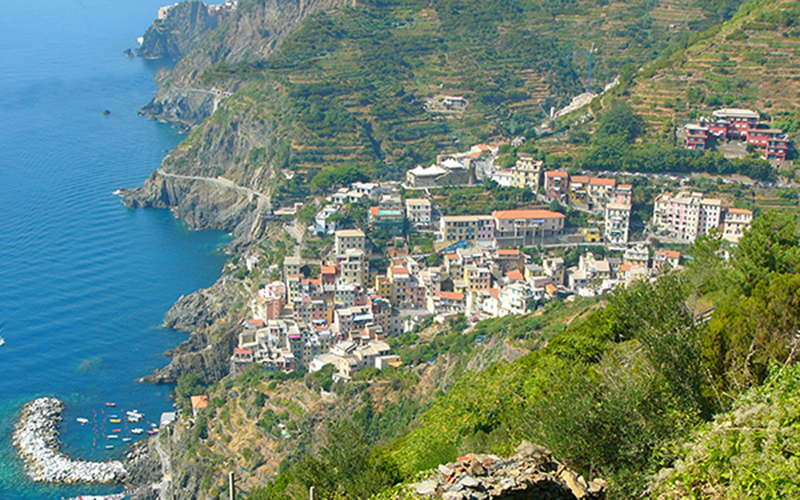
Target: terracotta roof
[[515, 275], [256, 322], [237, 350], [674, 254], [374, 210], [399, 270], [599, 181], [508, 251], [315, 281], [625, 186], [495, 292], [199, 402], [328, 270], [743, 211], [625, 267], [526, 214], [555, 173], [453, 295], [551, 288], [577, 179], [452, 256]]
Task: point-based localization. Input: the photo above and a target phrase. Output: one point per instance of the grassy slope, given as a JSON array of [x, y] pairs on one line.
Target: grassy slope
[[349, 85], [750, 61]]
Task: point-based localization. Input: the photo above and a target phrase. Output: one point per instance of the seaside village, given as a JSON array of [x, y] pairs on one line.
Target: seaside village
[[339, 310]]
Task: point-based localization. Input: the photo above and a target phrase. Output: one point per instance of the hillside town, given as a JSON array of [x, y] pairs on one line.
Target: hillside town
[[341, 308]]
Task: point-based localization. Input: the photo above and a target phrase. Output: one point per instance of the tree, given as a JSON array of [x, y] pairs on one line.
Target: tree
[[619, 121], [770, 246]]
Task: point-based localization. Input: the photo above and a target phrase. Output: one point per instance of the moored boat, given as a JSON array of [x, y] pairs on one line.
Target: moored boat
[[116, 431], [115, 420], [82, 420], [109, 446], [110, 404], [137, 430], [152, 431], [112, 436]]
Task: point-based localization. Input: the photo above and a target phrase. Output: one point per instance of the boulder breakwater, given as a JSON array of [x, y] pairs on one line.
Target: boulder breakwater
[[36, 437]]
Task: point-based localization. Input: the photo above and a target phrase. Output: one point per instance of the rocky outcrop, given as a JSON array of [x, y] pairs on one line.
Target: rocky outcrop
[[530, 473], [201, 203], [205, 307], [183, 27], [253, 32]]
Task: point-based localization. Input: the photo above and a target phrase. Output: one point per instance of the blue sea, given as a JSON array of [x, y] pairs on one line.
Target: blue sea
[[84, 282]]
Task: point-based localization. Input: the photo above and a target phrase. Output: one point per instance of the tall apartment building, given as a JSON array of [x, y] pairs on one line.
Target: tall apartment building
[[556, 186], [419, 212], [517, 228], [686, 216], [527, 172], [618, 221], [736, 221], [349, 238]]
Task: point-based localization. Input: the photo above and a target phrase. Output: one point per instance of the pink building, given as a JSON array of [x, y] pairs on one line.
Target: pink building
[[556, 186]]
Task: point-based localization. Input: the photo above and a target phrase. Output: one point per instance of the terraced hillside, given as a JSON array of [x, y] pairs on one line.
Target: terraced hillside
[[353, 84], [750, 61]]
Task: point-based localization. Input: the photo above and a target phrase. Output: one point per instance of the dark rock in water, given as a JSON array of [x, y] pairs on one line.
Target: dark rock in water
[[106, 112], [128, 52]]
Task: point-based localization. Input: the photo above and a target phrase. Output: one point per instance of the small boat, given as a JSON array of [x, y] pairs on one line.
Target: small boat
[[111, 405], [116, 431], [2, 341], [113, 416], [115, 420], [152, 431], [134, 414], [109, 446], [112, 436], [137, 430], [133, 419], [153, 425], [82, 420], [125, 440]]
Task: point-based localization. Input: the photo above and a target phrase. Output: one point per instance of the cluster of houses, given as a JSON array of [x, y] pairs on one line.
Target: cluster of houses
[[737, 125], [341, 310], [687, 215]]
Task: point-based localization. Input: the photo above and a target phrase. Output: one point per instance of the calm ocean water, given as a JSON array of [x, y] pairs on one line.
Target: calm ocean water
[[84, 282]]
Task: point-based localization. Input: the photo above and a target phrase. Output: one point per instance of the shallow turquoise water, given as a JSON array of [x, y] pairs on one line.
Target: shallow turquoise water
[[84, 282]]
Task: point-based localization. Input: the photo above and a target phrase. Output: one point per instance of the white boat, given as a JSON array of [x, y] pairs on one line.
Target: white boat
[[112, 436], [134, 414], [2, 341], [82, 420], [125, 440], [137, 430]]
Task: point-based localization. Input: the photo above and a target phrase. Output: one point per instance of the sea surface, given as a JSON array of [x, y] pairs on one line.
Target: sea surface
[[84, 282]]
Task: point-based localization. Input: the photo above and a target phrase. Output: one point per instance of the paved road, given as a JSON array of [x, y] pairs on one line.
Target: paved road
[[222, 182]]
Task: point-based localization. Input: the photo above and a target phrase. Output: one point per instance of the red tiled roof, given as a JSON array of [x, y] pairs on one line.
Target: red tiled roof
[[743, 211], [237, 350], [199, 402], [674, 254], [599, 181], [315, 281], [551, 288], [508, 251], [577, 179], [399, 270], [453, 295], [515, 275], [495, 292], [256, 322], [452, 256], [625, 186], [625, 267], [526, 214], [375, 210], [555, 173], [328, 270]]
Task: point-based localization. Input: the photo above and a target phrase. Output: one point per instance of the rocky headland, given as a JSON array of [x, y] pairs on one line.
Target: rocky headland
[[180, 30], [251, 33], [36, 437]]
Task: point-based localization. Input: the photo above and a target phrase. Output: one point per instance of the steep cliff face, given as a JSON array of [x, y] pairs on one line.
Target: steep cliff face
[[253, 32], [180, 30]]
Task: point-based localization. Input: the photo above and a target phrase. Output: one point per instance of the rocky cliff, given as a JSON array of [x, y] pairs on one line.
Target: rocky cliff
[[180, 30], [253, 32]]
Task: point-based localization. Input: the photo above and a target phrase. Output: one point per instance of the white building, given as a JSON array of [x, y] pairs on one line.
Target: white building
[[618, 220], [419, 212]]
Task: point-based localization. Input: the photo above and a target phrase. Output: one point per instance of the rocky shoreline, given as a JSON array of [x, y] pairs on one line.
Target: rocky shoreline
[[36, 437]]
